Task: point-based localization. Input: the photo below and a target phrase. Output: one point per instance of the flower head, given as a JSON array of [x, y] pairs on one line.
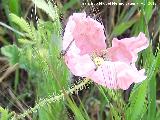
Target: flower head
[[87, 55]]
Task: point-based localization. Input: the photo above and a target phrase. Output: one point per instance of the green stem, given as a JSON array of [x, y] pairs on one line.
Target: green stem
[[42, 103]]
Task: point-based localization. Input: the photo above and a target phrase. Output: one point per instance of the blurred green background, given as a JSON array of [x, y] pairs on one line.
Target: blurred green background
[[32, 75]]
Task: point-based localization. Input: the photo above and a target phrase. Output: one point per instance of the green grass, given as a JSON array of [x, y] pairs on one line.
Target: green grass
[[37, 50]]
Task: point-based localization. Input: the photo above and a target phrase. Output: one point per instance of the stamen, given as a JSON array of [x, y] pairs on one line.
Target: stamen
[[98, 61], [105, 55]]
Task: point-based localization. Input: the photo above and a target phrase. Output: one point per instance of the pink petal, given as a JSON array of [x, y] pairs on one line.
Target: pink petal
[[67, 38], [127, 74], [119, 53], [140, 74], [105, 75], [79, 65], [117, 75], [87, 33], [133, 44]]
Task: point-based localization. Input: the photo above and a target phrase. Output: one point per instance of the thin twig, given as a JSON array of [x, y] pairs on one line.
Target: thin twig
[[9, 71], [17, 102], [3, 59], [12, 29]]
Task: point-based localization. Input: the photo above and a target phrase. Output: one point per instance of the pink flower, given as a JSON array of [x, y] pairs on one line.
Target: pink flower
[[113, 67], [84, 30]]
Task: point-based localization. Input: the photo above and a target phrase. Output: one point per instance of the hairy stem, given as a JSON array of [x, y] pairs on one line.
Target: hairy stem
[[45, 101]]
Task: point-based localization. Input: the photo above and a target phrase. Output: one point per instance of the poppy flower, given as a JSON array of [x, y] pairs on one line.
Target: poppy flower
[[88, 56]]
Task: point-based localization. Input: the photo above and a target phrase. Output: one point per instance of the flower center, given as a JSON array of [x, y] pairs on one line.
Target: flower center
[[99, 58], [98, 61]]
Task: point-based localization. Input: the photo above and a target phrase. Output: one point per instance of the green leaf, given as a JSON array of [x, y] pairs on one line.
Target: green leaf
[[14, 6], [158, 115], [12, 52], [20, 22], [4, 114], [126, 15], [47, 7], [152, 87], [79, 115], [148, 9], [69, 4], [122, 27], [152, 99], [137, 102]]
